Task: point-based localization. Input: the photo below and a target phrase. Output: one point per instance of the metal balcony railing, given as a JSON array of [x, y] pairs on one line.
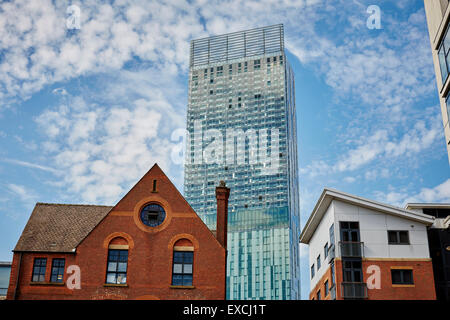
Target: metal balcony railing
[[351, 249], [354, 290]]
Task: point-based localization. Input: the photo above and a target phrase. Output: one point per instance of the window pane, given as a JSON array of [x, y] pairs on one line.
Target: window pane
[[122, 278], [113, 255], [407, 277], [358, 276], [178, 257], [187, 280], [177, 268], [123, 256], [177, 280], [111, 278], [447, 42], [404, 237], [396, 277], [122, 267], [392, 236], [112, 266], [188, 257], [442, 64], [354, 225], [187, 268]]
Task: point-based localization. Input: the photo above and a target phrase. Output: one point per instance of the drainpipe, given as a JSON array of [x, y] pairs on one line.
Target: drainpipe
[[17, 277]]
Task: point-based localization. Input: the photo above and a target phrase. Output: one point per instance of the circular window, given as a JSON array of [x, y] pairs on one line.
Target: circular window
[[153, 215]]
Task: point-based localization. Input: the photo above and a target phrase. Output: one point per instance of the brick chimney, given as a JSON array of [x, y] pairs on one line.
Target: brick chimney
[[222, 194]]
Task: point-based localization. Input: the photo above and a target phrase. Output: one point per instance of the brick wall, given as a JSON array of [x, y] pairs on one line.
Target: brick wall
[[423, 288], [150, 252]]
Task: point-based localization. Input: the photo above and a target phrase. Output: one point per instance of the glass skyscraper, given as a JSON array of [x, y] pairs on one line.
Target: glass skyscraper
[[241, 125]]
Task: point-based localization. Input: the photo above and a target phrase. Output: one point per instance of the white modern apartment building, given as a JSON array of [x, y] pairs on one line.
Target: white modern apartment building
[[364, 249]]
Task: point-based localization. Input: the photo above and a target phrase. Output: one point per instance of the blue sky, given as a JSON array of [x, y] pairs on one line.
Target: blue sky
[[85, 113]]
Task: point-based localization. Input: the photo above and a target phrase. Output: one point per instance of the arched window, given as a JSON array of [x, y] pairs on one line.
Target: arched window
[[183, 263], [116, 272]]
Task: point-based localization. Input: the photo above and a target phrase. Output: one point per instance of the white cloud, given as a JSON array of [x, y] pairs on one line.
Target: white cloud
[[400, 197], [30, 165], [101, 151], [27, 197], [381, 146], [349, 179]]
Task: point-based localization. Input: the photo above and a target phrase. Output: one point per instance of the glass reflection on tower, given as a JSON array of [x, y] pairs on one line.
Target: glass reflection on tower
[[241, 124]]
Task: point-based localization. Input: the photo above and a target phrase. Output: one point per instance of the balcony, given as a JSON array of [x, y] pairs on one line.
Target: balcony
[[350, 249], [354, 290]]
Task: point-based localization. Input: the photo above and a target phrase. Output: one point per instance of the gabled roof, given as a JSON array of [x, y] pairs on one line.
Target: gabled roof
[[62, 227], [329, 195], [59, 227]]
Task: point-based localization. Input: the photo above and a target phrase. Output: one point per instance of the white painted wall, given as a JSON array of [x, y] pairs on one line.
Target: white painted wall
[[373, 229], [316, 245]]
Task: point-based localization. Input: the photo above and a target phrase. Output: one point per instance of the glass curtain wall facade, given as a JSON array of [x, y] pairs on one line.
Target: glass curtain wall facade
[[241, 125]]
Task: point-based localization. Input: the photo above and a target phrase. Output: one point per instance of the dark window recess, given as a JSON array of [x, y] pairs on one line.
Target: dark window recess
[[116, 272], [398, 237], [57, 270], [319, 296], [154, 186], [312, 271], [260, 197], [439, 244], [153, 215], [39, 267], [402, 276], [352, 271], [349, 231], [438, 212], [182, 268], [327, 289]]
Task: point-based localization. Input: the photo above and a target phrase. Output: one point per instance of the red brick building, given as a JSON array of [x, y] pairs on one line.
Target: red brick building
[[150, 245]]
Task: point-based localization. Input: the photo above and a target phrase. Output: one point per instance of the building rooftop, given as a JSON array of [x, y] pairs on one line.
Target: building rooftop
[[59, 227], [329, 195], [237, 45]]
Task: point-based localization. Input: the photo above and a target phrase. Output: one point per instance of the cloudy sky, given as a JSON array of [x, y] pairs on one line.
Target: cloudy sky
[[85, 112]]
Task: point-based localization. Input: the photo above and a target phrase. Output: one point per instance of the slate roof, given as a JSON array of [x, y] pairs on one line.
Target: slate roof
[[59, 227]]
